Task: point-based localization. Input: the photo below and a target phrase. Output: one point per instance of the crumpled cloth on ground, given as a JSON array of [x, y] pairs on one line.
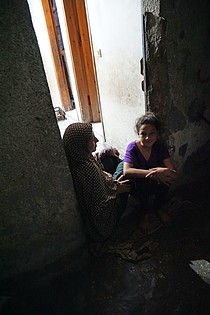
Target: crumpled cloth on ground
[[130, 244]]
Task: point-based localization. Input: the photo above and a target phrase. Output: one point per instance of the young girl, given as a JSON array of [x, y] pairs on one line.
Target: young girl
[[148, 163]]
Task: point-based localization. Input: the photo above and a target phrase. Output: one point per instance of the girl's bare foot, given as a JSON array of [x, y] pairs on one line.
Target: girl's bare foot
[[144, 223], [164, 217]]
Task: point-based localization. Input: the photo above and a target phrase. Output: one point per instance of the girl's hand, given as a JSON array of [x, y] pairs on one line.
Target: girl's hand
[[123, 186], [163, 174]]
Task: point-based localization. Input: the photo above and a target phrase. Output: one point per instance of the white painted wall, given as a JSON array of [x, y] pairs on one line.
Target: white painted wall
[[116, 29], [40, 28]]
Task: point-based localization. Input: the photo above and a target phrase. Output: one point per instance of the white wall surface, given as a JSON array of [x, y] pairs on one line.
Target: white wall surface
[[116, 30], [40, 28]]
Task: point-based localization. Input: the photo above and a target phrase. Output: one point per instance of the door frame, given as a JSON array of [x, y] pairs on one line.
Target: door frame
[[57, 57], [82, 58]]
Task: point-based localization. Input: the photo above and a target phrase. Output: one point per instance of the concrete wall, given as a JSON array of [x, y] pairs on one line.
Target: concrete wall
[[39, 219], [178, 76]]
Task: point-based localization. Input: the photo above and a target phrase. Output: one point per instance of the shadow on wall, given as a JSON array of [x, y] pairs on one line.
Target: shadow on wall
[[198, 163], [195, 181]]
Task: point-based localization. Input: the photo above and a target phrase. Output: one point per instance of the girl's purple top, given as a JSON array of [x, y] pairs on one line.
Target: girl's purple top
[[134, 156]]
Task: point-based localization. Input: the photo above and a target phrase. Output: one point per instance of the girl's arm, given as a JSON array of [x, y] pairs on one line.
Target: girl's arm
[[166, 174], [130, 172]]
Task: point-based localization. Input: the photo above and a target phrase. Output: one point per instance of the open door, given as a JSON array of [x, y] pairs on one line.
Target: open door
[[58, 57], [82, 57], [81, 54]]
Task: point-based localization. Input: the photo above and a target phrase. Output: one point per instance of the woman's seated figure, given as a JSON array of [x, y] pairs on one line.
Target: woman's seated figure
[[97, 192]]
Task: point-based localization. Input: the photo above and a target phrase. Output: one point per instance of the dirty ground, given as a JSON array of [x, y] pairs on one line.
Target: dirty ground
[[174, 280]]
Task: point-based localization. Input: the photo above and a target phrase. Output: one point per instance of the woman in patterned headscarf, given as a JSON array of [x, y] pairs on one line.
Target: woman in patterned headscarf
[[96, 190]]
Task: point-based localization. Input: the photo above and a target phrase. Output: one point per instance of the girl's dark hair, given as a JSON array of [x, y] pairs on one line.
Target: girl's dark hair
[[148, 118]]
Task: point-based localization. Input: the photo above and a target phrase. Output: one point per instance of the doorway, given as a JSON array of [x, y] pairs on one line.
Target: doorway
[[74, 15], [103, 49]]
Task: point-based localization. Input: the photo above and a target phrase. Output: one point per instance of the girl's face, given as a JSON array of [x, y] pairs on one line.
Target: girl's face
[[147, 135], [92, 143]]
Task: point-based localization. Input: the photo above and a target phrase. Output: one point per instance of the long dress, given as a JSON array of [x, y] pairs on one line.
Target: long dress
[[96, 191]]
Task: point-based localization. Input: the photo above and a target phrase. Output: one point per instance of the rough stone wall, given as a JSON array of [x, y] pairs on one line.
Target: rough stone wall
[[177, 42], [39, 219], [151, 6]]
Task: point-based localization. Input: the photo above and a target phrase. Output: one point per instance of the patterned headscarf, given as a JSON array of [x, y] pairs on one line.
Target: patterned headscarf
[[95, 190]]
